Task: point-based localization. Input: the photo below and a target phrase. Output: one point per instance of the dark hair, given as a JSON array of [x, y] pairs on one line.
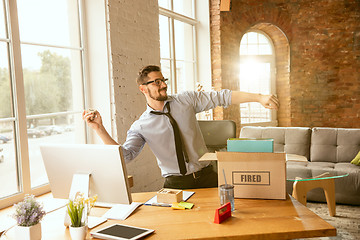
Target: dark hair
[[143, 73]]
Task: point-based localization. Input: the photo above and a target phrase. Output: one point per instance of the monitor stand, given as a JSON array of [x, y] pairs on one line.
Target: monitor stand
[[80, 183]]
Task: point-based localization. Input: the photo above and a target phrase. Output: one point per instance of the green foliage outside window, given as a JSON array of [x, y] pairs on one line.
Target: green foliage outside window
[[46, 91]]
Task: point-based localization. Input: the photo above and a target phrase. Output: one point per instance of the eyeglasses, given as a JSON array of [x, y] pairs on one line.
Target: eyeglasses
[[157, 82]]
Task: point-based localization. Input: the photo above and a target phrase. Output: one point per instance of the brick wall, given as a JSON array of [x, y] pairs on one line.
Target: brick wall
[[282, 59], [318, 77]]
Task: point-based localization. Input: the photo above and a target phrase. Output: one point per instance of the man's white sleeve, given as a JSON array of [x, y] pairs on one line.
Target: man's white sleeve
[[132, 146]]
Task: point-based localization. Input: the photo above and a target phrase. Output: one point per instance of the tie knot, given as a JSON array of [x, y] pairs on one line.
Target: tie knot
[[167, 106], [161, 113]]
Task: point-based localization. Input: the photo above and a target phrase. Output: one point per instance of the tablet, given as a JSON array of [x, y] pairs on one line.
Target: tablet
[[121, 232]]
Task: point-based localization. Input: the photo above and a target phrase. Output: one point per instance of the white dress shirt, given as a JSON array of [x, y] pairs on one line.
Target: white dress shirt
[[157, 132]]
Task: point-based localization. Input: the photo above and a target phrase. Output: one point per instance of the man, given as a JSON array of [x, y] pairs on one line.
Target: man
[[170, 128]]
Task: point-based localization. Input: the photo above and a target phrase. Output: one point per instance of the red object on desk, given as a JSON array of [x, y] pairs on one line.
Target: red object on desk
[[222, 213]]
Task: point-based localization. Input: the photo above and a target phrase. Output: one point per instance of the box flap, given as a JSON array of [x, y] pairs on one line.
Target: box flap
[[208, 157]]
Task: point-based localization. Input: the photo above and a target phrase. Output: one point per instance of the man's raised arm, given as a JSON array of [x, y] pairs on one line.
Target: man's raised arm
[[268, 101]]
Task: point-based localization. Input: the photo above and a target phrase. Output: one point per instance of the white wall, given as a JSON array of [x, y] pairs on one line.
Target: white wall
[[133, 36]]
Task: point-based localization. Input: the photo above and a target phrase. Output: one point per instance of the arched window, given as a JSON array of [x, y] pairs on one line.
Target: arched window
[[257, 75]]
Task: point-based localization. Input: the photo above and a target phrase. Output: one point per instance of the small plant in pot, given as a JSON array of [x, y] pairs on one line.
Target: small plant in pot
[[78, 210], [28, 215]]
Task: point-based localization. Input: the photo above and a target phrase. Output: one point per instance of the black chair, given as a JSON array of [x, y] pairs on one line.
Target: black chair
[[216, 133]]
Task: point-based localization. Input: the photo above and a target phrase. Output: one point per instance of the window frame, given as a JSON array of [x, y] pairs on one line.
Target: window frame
[[172, 16], [263, 59], [19, 119], [202, 52]]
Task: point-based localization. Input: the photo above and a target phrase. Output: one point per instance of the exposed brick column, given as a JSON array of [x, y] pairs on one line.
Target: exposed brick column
[[216, 52], [133, 27]]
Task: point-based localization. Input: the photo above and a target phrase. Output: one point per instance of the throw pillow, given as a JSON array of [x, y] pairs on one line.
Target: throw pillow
[[356, 160]]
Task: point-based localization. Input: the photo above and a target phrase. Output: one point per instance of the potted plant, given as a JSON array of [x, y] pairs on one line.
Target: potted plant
[[28, 215], [78, 210]]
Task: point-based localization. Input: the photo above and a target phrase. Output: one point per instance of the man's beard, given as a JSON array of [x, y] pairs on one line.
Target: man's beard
[[159, 97]]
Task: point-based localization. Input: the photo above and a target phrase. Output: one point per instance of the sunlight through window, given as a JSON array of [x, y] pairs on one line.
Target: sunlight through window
[[256, 75]]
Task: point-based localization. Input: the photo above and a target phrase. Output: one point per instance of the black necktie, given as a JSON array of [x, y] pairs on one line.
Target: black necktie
[[177, 136]]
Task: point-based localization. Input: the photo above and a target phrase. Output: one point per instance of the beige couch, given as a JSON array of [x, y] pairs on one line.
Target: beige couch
[[327, 149]]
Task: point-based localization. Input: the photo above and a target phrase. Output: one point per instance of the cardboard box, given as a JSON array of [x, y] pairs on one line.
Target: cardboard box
[[167, 195], [254, 175], [250, 145]]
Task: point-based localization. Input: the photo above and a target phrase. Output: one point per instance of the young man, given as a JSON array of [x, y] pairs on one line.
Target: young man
[[170, 128]]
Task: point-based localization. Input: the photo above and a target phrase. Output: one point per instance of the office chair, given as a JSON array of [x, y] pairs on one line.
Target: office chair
[[216, 133]]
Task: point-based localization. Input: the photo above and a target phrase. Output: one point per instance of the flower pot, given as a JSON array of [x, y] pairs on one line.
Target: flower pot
[[78, 233], [28, 233]]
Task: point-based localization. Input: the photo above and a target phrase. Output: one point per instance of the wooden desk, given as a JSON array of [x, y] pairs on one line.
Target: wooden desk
[[252, 219]]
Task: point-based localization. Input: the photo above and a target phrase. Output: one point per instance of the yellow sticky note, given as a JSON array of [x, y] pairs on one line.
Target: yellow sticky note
[[177, 206], [186, 205]]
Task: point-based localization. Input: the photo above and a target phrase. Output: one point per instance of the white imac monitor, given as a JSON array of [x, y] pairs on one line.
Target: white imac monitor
[[105, 164]]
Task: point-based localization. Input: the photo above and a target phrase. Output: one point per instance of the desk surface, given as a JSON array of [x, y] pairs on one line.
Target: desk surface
[[252, 219]]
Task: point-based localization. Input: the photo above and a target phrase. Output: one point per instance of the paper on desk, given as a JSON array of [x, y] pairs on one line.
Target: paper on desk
[[95, 221], [121, 211], [186, 196]]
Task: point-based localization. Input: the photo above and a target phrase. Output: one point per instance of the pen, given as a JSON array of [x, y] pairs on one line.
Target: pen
[[161, 204]]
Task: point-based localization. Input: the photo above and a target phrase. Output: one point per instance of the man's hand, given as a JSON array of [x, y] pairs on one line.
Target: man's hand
[[92, 118], [269, 101]]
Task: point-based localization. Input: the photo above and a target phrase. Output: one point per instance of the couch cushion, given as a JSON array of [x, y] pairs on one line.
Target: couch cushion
[[308, 169], [296, 158], [292, 140], [334, 144], [348, 142]]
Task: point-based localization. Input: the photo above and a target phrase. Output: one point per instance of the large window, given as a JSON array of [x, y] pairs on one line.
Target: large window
[[257, 75], [177, 43], [41, 87]]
